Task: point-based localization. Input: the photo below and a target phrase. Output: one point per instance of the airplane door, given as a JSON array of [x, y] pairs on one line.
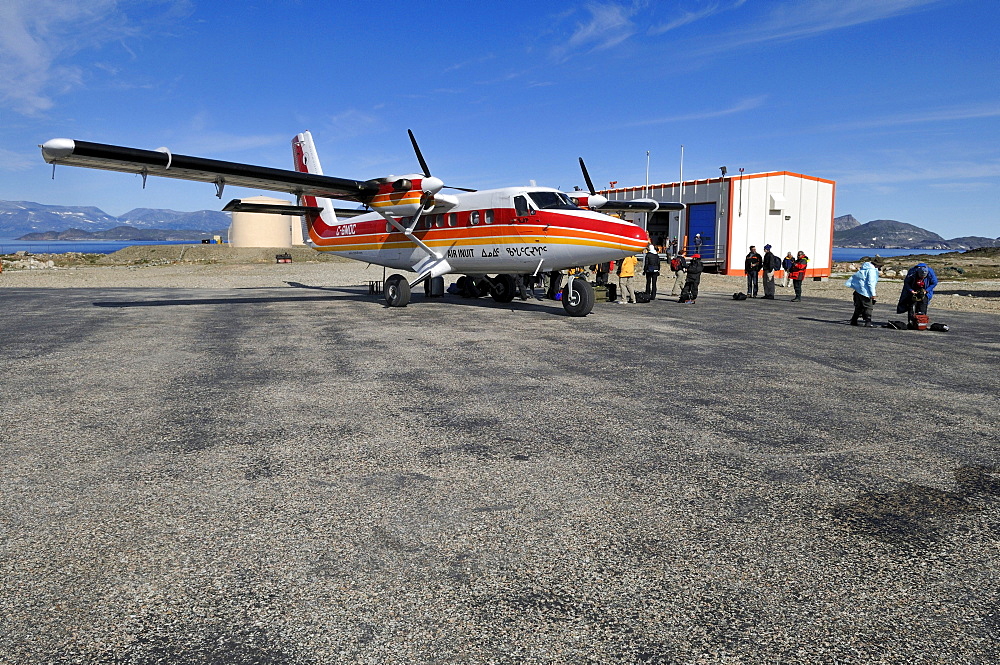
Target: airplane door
[[701, 219], [523, 234]]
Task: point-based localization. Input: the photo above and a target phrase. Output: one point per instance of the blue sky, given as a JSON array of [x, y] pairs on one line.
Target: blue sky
[[896, 100]]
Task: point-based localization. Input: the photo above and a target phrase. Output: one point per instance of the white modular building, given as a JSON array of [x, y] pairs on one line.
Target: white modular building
[[724, 216]]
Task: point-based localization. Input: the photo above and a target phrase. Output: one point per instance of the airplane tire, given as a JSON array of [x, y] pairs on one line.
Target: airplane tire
[[504, 288], [578, 297], [397, 291]]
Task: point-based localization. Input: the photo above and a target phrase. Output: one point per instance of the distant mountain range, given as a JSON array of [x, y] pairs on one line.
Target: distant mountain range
[[890, 234], [48, 222], [18, 218], [123, 233]]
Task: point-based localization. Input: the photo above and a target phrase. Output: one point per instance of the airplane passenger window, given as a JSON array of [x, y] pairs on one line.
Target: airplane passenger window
[[388, 227], [489, 216], [438, 221], [474, 217], [452, 219], [521, 206]]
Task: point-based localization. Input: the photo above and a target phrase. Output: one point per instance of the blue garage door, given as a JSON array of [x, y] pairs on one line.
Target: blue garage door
[[701, 219]]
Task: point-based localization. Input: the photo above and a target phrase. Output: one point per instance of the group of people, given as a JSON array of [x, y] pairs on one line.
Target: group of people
[[687, 275], [918, 286], [918, 289], [769, 263]]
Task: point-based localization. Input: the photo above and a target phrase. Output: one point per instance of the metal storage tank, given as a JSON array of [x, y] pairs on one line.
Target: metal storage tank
[[254, 229]]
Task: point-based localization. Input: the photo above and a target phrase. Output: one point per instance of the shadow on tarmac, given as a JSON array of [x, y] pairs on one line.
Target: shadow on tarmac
[[337, 294]]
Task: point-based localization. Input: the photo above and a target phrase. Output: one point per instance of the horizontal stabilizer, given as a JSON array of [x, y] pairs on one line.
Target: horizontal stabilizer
[[238, 205], [641, 205]]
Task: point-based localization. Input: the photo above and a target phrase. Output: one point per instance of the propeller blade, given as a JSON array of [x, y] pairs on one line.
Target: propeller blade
[[420, 156], [586, 176], [423, 163]]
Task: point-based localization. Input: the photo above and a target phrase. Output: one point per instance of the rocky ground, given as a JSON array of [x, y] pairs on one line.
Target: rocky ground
[[970, 281]]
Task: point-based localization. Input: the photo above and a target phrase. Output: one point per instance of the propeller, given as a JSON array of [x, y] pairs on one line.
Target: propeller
[[586, 176], [595, 200], [423, 163], [420, 155]]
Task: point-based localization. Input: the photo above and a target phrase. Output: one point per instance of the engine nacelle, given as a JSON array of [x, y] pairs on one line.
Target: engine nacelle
[[404, 196]]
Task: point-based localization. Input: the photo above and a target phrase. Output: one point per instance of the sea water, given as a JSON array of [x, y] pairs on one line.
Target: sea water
[[10, 246], [847, 254]]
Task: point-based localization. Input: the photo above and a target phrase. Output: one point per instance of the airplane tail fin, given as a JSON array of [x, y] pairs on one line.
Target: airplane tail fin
[[307, 161]]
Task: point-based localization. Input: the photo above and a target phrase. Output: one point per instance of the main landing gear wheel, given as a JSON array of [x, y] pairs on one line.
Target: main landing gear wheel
[[578, 297], [503, 289], [397, 291]]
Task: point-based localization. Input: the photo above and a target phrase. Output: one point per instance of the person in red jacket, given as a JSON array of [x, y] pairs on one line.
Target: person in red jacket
[[798, 273]]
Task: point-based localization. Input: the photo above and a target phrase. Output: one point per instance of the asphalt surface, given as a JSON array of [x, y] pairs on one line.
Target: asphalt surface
[[301, 475]]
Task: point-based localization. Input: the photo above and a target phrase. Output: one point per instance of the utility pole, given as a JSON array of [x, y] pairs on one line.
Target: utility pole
[[680, 199], [645, 192]]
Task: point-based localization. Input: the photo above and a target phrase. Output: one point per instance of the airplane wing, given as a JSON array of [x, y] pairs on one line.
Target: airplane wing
[[163, 163]]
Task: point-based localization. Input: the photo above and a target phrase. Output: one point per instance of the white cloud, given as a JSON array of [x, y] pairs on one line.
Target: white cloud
[[939, 173], [743, 105], [948, 114], [350, 123], [687, 17], [17, 161], [798, 19], [40, 38], [607, 25]]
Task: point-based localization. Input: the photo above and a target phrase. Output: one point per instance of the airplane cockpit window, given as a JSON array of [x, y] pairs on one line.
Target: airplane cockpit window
[[551, 201], [521, 206]]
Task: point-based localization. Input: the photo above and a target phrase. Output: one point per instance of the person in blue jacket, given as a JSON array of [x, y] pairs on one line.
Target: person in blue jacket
[[918, 289], [863, 282]]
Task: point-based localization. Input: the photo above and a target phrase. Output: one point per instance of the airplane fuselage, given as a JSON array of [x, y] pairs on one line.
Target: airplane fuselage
[[492, 231]]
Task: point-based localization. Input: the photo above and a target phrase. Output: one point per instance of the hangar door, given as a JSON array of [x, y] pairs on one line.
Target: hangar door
[[701, 219]]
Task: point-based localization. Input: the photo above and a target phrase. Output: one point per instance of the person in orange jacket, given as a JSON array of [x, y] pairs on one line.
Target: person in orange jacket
[[626, 277], [798, 273]]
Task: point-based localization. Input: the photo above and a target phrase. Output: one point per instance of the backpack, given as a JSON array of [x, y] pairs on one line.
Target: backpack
[[775, 262], [675, 263]]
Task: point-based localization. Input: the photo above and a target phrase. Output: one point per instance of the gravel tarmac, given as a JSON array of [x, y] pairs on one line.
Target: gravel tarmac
[[263, 464]]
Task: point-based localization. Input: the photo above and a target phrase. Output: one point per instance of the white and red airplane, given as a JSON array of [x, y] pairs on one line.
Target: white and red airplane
[[488, 235]]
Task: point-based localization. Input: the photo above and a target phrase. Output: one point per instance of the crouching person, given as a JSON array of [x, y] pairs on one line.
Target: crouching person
[[918, 289]]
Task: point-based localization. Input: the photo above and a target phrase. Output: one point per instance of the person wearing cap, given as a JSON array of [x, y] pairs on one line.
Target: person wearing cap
[[694, 269], [678, 264], [798, 273], [770, 263], [651, 269], [751, 267], [918, 289], [786, 265]]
